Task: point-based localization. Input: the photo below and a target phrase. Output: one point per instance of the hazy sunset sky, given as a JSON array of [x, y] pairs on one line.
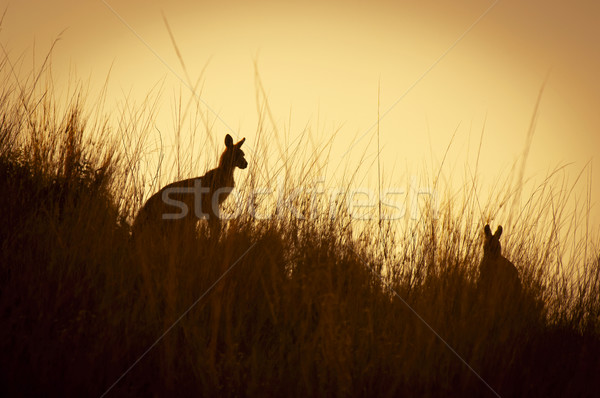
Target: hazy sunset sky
[[442, 66]]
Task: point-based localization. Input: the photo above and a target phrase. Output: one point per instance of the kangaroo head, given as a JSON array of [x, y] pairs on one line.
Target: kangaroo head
[[233, 156], [491, 243]]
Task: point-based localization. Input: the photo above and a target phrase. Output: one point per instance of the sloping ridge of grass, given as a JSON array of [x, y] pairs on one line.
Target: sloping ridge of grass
[[300, 307]]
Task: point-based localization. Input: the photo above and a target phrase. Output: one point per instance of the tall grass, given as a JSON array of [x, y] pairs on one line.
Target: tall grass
[[285, 305]]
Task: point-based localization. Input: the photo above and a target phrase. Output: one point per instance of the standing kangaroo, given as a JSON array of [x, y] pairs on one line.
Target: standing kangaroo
[[498, 277], [179, 205]]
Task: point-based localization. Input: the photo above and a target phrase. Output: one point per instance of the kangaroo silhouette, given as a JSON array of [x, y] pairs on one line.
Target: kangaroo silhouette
[[178, 206], [497, 275]]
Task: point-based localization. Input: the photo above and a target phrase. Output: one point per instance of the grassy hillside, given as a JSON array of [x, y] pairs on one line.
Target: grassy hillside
[[286, 306]]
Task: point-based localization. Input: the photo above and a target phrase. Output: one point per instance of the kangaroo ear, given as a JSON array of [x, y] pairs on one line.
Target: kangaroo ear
[[239, 144], [228, 141], [487, 231], [498, 232]]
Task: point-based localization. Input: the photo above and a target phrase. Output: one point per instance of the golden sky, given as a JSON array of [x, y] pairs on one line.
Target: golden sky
[[443, 66]]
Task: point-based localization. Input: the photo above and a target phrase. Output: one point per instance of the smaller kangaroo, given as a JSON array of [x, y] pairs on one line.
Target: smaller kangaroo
[[497, 275], [179, 205]]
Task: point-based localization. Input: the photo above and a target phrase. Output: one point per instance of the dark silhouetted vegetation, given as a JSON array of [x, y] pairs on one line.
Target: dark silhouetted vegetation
[[286, 306]]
